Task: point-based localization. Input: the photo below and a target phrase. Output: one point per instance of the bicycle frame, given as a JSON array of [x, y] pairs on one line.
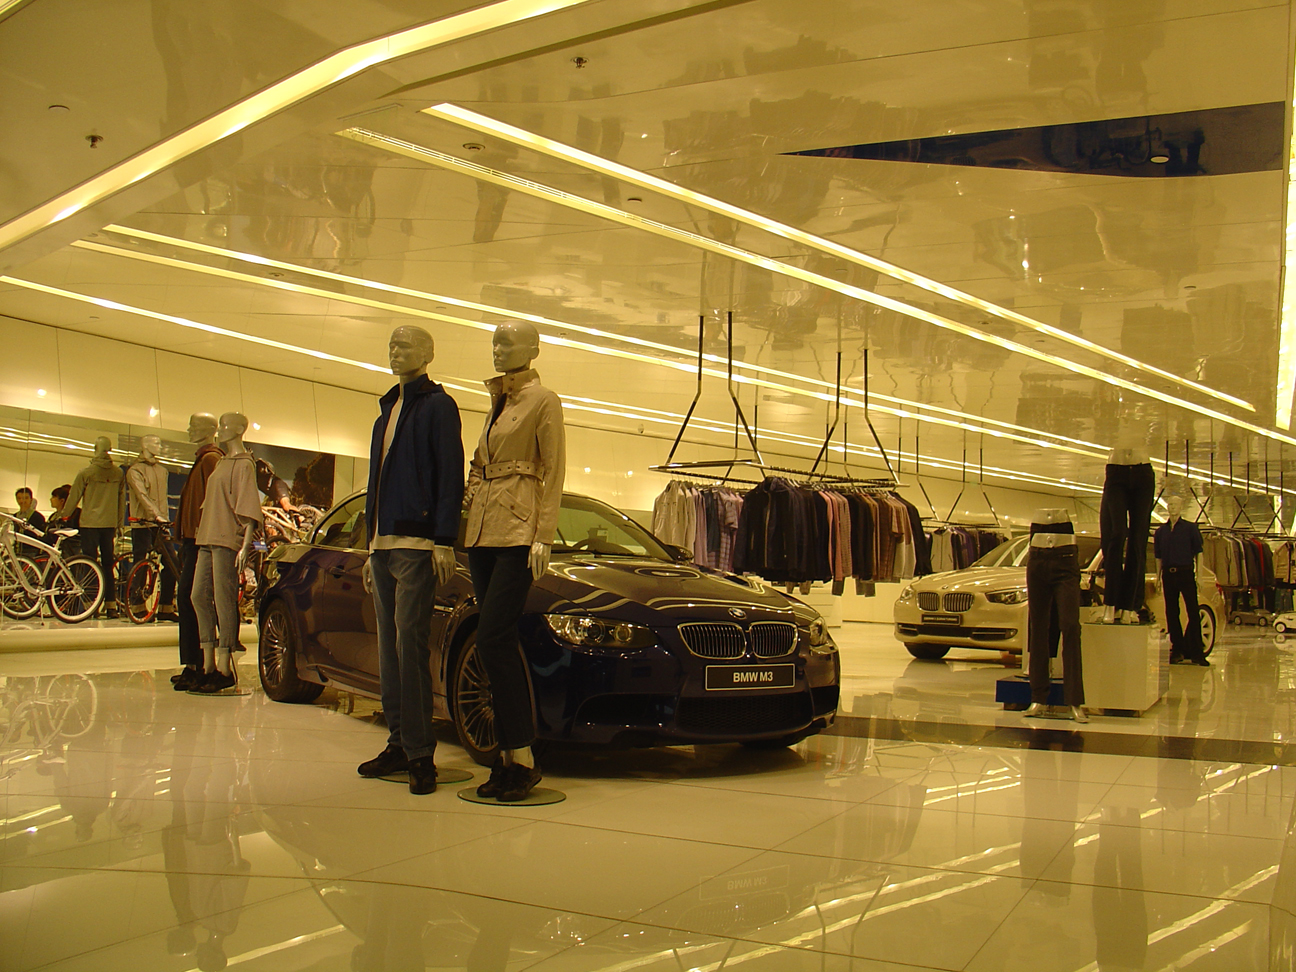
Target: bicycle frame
[[7, 538]]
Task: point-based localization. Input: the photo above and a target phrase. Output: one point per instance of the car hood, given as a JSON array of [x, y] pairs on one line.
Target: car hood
[[976, 579], [642, 589]]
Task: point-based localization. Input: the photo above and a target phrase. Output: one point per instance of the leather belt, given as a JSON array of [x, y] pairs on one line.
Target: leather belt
[[512, 467], [1173, 570]]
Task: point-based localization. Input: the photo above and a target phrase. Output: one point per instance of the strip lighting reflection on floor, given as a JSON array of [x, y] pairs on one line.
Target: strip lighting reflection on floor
[[1011, 476], [612, 214], [275, 98], [547, 146], [1091, 448]]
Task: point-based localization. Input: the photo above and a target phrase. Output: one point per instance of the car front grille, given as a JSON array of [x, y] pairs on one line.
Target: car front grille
[[929, 600], [714, 639], [958, 603], [744, 716], [769, 639]]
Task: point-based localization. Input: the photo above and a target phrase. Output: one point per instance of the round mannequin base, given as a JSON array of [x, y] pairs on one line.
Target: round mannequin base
[[443, 776], [223, 693], [539, 797]]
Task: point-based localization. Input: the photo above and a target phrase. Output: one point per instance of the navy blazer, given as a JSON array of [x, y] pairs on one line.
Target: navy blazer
[[420, 485]]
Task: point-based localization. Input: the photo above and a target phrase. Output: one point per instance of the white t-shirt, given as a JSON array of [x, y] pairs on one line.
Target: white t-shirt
[[393, 542]]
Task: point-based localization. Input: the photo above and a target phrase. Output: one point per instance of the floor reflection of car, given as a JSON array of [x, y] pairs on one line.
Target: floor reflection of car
[[984, 605], [627, 645]]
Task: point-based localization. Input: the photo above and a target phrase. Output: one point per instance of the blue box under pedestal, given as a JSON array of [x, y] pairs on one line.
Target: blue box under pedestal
[[1015, 690]]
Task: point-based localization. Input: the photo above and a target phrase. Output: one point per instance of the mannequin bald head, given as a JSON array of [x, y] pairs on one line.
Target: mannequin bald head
[[1174, 507], [409, 351], [514, 346], [231, 427], [102, 446], [150, 447], [202, 427]]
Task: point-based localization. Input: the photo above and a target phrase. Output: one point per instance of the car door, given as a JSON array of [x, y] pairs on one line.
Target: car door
[[342, 610]]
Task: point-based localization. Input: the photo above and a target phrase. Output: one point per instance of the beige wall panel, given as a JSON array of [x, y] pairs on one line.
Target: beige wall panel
[[284, 408], [29, 366], [108, 379], [345, 420], [187, 385]]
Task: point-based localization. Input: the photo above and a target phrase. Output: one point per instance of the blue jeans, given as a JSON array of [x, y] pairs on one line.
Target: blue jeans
[[215, 597], [404, 589]]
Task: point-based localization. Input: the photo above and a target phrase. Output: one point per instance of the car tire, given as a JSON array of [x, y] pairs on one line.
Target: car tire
[[927, 652], [471, 706], [1278, 626], [277, 658], [1208, 629]]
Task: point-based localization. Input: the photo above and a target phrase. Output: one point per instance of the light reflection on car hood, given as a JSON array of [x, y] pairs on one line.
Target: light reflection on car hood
[[973, 579]]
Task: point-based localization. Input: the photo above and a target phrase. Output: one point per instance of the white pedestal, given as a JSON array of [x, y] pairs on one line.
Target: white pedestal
[[1126, 666]]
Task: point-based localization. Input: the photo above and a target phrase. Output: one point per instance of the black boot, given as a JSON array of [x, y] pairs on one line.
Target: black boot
[[491, 788], [422, 775], [390, 760]]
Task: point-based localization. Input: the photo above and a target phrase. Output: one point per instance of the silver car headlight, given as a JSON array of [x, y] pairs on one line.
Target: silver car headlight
[[907, 593], [1016, 596], [599, 632], [820, 640]]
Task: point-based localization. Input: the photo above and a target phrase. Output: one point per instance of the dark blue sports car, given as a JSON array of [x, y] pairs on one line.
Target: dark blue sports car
[[628, 644]]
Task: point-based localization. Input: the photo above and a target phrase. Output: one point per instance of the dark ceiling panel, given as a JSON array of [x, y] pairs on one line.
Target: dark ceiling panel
[[1213, 141]]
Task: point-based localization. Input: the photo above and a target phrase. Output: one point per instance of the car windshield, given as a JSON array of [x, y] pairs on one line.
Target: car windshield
[[587, 526], [1012, 553]]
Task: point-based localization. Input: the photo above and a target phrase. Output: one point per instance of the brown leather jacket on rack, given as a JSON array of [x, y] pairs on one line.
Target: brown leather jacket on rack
[[515, 480]]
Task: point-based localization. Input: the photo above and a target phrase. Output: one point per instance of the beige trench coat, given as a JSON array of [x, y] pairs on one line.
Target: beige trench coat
[[515, 480]]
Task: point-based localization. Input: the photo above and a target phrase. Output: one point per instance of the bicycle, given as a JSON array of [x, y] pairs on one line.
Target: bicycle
[[144, 581], [73, 587]]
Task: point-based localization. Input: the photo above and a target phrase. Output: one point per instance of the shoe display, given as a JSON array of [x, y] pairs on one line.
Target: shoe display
[[422, 775], [214, 682], [518, 781], [187, 680], [491, 788], [390, 760]]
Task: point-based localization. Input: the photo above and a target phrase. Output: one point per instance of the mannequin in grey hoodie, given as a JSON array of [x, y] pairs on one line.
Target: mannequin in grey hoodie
[[100, 491], [146, 480]]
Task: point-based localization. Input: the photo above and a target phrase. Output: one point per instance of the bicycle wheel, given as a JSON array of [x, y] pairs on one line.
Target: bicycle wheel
[[15, 600], [76, 589], [72, 703], [142, 590]]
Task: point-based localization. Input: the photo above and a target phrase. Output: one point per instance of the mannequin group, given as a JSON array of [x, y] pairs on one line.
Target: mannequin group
[[413, 519]]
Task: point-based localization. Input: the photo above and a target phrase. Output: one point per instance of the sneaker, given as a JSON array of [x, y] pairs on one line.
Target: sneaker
[[214, 682], [491, 788], [1202, 662], [518, 781], [390, 760], [167, 614], [422, 775], [187, 680], [1181, 660]]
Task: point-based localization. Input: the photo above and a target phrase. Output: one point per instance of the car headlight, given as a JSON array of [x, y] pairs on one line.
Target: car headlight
[[599, 633], [1016, 596], [820, 640], [907, 593]]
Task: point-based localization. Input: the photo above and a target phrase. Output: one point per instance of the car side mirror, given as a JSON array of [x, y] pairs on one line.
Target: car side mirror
[[681, 555]]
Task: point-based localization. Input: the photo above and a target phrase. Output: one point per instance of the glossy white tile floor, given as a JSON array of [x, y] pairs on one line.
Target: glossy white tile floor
[[159, 831], [1248, 693]]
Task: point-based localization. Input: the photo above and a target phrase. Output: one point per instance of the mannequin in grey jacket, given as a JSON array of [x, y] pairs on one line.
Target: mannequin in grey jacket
[[100, 491]]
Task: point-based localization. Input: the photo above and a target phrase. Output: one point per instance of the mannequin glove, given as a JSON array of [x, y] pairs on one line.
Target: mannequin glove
[[539, 559], [443, 560]]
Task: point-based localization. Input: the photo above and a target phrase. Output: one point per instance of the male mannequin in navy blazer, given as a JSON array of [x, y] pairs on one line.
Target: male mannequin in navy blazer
[[416, 483]]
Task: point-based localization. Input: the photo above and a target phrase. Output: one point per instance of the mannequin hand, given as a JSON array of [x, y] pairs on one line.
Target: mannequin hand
[[366, 577], [241, 559], [539, 559], [443, 560]]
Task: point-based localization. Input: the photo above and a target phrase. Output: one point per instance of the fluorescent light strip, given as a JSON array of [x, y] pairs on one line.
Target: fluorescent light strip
[[1027, 436], [534, 318], [579, 404], [277, 97], [546, 146], [612, 214]]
